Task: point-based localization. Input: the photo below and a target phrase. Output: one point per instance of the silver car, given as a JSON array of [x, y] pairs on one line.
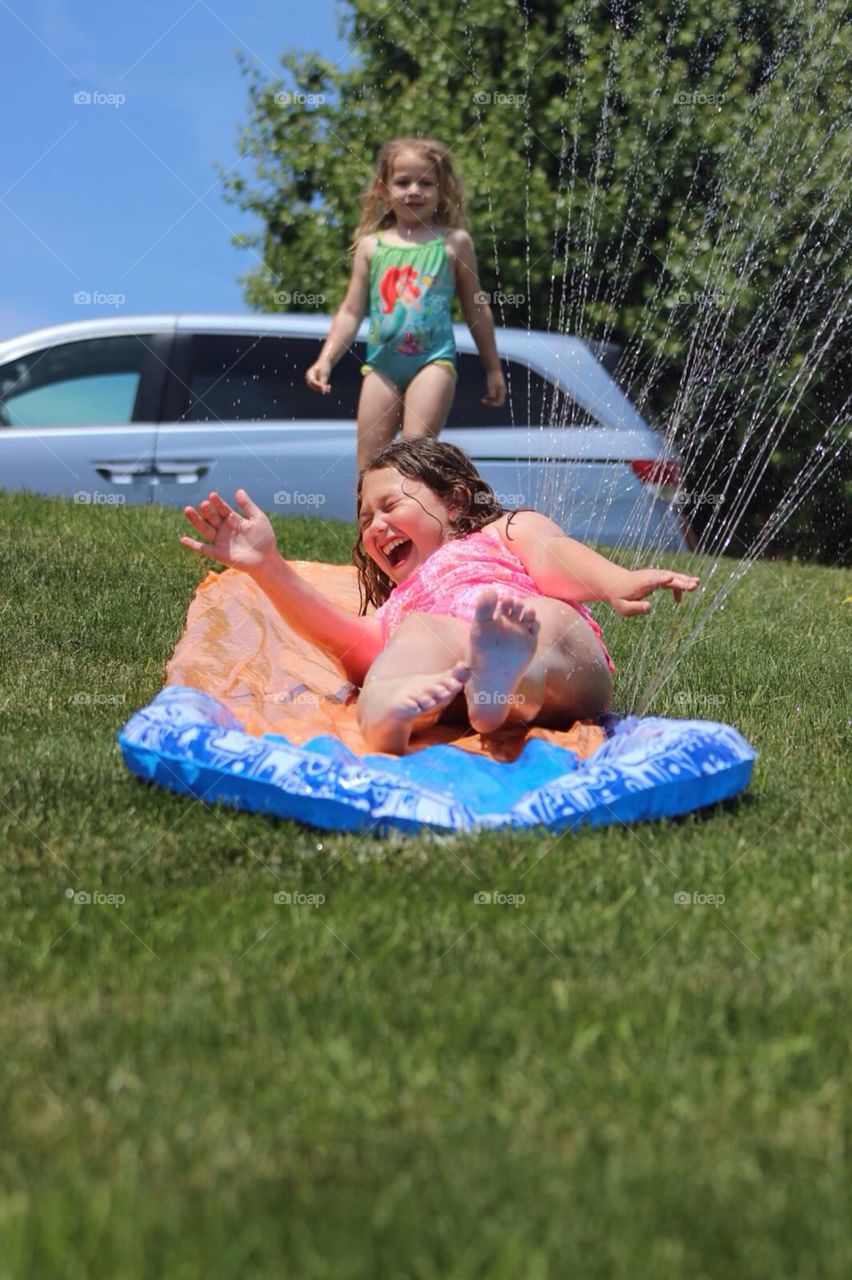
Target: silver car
[[164, 408]]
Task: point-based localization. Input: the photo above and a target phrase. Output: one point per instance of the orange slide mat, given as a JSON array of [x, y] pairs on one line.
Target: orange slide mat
[[237, 648]]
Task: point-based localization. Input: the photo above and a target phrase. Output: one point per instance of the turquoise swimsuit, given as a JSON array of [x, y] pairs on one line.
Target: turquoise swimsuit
[[411, 323]]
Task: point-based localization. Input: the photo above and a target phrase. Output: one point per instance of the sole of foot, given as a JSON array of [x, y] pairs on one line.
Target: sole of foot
[[503, 637]]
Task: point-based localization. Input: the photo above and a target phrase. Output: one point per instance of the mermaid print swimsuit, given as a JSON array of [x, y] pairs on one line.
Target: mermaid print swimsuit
[[411, 324]]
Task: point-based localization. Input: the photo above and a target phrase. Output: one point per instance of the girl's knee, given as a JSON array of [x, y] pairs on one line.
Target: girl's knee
[[580, 678]]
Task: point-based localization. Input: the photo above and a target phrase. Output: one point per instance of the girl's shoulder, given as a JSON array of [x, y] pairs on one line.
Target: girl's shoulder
[[499, 530], [456, 241], [367, 244], [522, 529]]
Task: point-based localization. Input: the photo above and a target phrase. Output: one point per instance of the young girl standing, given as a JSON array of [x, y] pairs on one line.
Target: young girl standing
[[480, 613], [412, 254]]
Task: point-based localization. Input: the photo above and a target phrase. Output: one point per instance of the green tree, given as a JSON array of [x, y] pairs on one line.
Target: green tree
[[674, 179]]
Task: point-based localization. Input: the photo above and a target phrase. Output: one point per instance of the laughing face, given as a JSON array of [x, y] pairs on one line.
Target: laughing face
[[402, 521]]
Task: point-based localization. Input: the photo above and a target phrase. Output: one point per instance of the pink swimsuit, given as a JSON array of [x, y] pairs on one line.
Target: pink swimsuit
[[454, 577]]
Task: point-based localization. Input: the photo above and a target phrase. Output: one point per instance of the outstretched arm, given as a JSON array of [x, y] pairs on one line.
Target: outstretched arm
[[247, 542], [567, 570]]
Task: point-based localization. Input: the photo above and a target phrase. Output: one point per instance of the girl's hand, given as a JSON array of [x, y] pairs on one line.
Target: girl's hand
[[635, 585], [246, 543], [318, 376], [495, 388]]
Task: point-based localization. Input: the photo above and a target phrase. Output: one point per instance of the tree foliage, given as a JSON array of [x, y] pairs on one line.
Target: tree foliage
[[673, 178]]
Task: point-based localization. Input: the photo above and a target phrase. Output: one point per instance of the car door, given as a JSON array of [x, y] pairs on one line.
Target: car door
[[240, 415], [540, 449], [544, 449], [78, 418]]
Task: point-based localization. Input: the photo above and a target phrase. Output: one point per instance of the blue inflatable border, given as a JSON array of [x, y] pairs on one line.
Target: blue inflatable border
[[187, 741]]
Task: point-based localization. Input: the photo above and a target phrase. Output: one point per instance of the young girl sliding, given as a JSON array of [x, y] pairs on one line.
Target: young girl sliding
[[479, 610], [412, 254]]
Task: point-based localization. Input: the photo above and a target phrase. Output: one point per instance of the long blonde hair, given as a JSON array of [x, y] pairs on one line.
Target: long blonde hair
[[375, 214]]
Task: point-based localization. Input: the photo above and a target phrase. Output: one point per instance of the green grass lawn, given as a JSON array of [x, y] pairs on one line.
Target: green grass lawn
[[398, 1082]]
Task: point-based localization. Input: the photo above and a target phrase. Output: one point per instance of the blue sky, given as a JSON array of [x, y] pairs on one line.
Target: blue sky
[[122, 198]]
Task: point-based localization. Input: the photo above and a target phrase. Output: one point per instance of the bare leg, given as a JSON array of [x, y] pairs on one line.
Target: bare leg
[[412, 681], [503, 640], [533, 662], [568, 678], [379, 415], [428, 398], [528, 662]]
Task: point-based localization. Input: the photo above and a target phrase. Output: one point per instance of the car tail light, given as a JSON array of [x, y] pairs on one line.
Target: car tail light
[[663, 480], [662, 477]]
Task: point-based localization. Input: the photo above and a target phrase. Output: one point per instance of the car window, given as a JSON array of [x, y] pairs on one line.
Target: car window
[[245, 378], [531, 400], [90, 383]]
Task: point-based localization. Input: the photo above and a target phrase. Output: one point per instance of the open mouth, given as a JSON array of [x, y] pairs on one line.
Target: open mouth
[[398, 552]]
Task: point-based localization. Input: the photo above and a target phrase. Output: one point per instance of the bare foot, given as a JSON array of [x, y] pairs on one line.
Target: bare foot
[[391, 710], [503, 636]]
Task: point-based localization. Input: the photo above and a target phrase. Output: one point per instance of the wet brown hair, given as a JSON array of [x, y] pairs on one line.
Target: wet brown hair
[[451, 475], [375, 214]]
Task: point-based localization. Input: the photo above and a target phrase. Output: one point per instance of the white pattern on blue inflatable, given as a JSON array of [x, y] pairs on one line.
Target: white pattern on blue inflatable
[[649, 768]]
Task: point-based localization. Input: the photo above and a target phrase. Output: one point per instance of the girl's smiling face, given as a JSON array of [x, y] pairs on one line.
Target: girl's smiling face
[[413, 188], [402, 521]]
